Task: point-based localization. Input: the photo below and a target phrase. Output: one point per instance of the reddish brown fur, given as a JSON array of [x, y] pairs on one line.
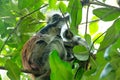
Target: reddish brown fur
[[27, 51]]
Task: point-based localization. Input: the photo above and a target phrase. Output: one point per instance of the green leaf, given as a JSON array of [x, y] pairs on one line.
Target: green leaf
[[2, 27], [93, 63], [79, 74], [88, 39], [118, 74], [100, 39], [101, 62], [93, 68], [38, 3], [81, 53], [114, 53], [106, 54], [41, 16], [106, 14], [93, 27], [90, 72], [111, 36], [13, 70], [0, 77], [79, 49], [59, 69], [62, 7], [114, 50], [52, 3], [2, 61], [115, 61], [6, 8], [28, 25], [107, 69], [75, 10], [24, 3]]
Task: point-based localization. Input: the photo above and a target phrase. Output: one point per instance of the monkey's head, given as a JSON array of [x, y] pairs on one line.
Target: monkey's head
[[74, 39], [58, 20]]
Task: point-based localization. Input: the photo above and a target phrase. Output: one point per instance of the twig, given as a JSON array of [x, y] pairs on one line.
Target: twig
[[87, 14], [65, 20], [103, 4], [35, 11], [96, 40], [69, 32], [98, 3], [108, 45], [18, 23], [104, 16], [90, 21], [10, 34]]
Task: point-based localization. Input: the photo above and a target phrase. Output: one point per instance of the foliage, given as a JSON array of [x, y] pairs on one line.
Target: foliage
[[20, 19], [14, 71], [58, 66]]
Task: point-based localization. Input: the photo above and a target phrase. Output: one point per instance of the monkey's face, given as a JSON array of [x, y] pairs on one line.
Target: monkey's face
[[58, 19]]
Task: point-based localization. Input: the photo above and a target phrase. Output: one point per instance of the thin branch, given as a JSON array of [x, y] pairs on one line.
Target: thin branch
[[87, 14], [65, 21], [35, 11], [18, 23], [95, 41], [111, 43], [98, 3], [90, 21], [103, 4], [64, 17], [104, 16]]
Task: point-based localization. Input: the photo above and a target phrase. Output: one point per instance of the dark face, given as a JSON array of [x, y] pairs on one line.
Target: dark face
[[57, 17]]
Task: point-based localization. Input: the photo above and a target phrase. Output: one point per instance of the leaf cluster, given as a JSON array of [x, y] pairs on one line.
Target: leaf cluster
[[100, 61]]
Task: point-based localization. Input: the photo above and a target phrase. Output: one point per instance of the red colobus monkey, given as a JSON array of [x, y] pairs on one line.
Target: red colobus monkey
[[36, 50], [70, 41]]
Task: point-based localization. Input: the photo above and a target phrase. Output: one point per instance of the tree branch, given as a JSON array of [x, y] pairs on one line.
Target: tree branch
[[87, 14], [103, 4], [96, 40], [18, 23], [90, 21]]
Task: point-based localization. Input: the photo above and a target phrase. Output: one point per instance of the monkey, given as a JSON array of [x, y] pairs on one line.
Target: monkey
[[70, 41], [36, 50]]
